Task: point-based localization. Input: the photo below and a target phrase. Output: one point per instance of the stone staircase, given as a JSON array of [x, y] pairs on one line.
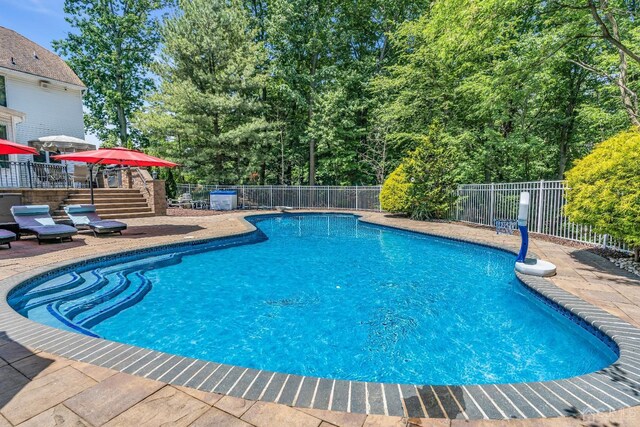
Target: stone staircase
[[111, 203]]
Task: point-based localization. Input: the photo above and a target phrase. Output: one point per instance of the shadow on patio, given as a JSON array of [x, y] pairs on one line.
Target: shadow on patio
[[18, 366]]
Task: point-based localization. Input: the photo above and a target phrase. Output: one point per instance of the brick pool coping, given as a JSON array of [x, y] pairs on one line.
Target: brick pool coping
[[615, 387]]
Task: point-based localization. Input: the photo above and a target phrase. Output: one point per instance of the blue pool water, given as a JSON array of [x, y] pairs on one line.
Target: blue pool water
[[328, 296]]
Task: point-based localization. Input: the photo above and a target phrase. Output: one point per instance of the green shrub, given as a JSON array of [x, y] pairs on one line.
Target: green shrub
[[424, 183], [605, 189], [171, 188], [394, 196]]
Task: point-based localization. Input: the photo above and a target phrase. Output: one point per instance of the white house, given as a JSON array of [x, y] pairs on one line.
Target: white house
[[40, 95]]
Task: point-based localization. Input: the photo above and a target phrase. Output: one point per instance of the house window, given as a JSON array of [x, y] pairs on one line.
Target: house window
[[3, 92], [3, 135]]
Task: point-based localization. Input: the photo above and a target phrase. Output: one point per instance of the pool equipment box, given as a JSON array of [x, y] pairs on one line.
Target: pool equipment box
[[223, 200]]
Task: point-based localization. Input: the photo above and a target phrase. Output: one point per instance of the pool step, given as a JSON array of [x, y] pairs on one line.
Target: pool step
[[118, 282], [87, 283], [139, 288], [124, 290]]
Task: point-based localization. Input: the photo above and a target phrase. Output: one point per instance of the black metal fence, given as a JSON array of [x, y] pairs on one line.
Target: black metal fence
[[36, 175]]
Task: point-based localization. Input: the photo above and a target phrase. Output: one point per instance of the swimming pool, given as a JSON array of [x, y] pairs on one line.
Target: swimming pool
[[327, 296]]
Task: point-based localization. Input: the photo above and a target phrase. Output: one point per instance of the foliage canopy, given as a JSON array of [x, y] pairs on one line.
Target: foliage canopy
[[605, 189], [111, 53]]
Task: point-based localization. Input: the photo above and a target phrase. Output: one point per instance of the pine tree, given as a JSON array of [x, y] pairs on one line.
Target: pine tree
[[208, 107]]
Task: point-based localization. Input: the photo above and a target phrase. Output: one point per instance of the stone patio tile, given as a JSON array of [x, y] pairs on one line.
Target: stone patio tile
[[44, 393], [326, 424], [2, 363], [111, 397], [12, 352], [4, 422], [340, 419], [429, 422], [263, 414], [610, 296], [206, 397], [98, 373], [168, 406], [39, 365], [58, 416], [216, 417], [10, 380], [384, 421], [234, 405]]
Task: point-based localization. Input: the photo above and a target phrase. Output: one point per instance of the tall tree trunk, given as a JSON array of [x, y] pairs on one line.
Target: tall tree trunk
[[312, 162], [629, 98], [263, 173], [122, 122], [122, 118], [312, 142]]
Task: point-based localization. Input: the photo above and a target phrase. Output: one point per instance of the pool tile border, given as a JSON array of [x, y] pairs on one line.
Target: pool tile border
[[614, 387]]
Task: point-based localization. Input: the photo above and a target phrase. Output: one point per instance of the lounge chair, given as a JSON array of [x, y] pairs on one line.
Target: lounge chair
[[85, 216], [6, 237], [35, 219]]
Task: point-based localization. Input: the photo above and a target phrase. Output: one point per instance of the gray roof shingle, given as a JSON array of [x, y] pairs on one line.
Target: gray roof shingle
[[47, 64]]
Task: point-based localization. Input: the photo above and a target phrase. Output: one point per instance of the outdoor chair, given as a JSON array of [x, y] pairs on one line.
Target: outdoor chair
[[35, 219], [85, 216], [57, 176], [185, 200], [6, 237], [80, 175]]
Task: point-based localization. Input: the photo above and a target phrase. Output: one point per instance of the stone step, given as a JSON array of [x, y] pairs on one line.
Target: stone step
[[105, 190], [125, 215], [104, 204], [114, 209], [82, 197]]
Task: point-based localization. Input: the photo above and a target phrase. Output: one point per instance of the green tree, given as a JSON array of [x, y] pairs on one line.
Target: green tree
[[423, 185], [501, 78], [323, 57], [207, 112], [605, 190], [111, 52], [612, 24]]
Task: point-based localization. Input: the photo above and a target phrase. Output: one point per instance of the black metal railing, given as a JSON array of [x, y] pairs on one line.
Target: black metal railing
[[36, 175]]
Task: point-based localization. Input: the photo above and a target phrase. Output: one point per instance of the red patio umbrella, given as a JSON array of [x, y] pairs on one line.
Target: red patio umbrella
[[8, 147], [114, 156]]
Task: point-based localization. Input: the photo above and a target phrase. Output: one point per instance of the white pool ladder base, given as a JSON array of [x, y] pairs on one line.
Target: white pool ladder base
[[536, 267]]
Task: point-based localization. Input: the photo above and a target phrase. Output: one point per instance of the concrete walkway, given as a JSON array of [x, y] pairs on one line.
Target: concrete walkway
[[39, 389]]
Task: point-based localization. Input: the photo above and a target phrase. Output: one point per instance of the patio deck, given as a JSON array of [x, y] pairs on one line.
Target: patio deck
[[41, 389]]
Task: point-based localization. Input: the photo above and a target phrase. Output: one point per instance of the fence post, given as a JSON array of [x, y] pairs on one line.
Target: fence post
[[244, 192], [29, 173], [604, 244], [540, 209], [356, 197], [66, 175], [299, 197], [328, 197], [492, 199], [271, 195]]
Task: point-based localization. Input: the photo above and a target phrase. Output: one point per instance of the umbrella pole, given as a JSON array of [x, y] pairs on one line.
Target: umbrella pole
[[91, 181]]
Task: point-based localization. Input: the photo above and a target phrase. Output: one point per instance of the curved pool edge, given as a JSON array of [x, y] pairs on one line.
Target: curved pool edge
[[609, 389]]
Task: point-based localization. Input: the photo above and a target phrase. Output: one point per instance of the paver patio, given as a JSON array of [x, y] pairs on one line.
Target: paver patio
[[40, 389]]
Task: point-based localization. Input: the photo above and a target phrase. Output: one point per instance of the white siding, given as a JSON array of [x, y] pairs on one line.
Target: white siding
[[53, 111]]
